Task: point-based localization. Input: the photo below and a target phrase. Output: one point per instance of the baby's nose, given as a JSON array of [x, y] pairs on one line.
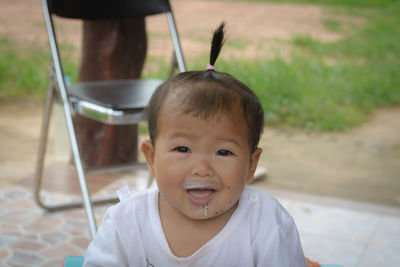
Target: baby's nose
[[202, 168]]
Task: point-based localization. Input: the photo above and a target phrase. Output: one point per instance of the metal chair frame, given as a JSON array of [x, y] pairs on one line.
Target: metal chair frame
[[73, 102]]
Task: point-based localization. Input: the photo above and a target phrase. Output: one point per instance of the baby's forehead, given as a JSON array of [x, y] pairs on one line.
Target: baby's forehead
[[222, 123], [205, 102], [177, 108], [219, 127]]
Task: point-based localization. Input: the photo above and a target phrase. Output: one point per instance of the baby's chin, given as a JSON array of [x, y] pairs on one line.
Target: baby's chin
[[211, 211]]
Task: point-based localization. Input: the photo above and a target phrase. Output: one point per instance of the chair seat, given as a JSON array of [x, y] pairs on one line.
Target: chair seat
[[116, 94], [112, 102]]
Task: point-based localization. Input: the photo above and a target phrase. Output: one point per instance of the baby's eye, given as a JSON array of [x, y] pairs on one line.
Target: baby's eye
[[182, 149], [224, 152]]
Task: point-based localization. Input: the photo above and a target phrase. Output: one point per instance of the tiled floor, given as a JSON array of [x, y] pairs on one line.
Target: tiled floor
[[352, 236], [32, 237], [332, 231]]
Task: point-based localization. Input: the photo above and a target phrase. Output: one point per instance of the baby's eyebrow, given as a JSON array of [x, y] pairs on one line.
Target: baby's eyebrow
[[230, 140], [179, 134], [225, 139]]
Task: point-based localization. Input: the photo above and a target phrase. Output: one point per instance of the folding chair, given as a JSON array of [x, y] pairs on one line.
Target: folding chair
[[111, 102]]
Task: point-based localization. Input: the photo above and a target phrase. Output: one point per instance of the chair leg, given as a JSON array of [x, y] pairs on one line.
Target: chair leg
[[42, 147], [87, 202], [40, 164], [38, 177]]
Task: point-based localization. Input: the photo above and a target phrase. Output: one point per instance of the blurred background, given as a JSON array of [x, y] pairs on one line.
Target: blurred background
[[326, 72]]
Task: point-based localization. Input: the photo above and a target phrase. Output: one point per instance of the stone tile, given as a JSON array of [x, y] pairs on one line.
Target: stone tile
[[335, 223], [60, 251], [81, 242], [30, 236], [4, 254], [26, 258], [14, 193], [24, 204], [384, 247], [45, 223], [54, 238], [26, 244], [9, 229], [16, 216], [56, 198], [331, 251], [388, 230], [2, 203], [75, 225], [74, 233], [52, 263], [13, 264], [75, 213], [380, 253], [7, 241]]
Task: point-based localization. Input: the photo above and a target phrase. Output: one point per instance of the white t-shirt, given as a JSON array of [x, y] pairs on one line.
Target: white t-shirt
[[260, 232]]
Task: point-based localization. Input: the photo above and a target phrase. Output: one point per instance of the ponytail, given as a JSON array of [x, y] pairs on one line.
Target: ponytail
[[218, 41]]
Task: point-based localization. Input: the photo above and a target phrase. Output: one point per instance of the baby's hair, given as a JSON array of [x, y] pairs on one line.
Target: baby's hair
[[218, 41], [208, 93]]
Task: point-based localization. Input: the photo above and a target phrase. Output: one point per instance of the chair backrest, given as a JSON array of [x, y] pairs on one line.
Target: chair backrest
[[106, 9]]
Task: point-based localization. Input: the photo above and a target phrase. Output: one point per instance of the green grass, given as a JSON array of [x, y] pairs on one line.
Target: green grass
[[349, 3], [334, 86], [328, 86], [24, 73], [333, 25], [321, 86], [305, 93]]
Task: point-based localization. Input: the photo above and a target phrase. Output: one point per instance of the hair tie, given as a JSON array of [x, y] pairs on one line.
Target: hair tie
[[210, 67]]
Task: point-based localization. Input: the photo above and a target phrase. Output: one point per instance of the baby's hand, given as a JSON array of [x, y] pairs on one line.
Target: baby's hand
[[312, 263]]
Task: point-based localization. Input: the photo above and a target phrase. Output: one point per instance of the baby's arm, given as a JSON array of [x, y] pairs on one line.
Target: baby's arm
[[105, 248], [110, 248], [282, 246]]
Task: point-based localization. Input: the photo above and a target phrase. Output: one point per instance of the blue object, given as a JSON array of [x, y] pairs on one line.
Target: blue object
[[73, 261], [67, 80]]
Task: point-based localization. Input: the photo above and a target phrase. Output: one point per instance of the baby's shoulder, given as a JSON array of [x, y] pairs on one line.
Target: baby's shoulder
[[265, 208], [260, 199], [136, 204]]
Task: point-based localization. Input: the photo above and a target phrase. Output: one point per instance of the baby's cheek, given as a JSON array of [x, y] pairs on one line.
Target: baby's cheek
[[223, 207]]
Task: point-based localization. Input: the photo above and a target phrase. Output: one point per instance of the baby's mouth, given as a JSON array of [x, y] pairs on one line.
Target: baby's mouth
[[199, 194], [200, 197]]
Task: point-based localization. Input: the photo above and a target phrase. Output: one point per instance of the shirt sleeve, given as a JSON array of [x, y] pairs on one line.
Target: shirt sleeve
[[105, 248], [283, 247]]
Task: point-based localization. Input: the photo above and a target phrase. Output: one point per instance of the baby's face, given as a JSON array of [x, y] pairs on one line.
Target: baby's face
[[200, 163]]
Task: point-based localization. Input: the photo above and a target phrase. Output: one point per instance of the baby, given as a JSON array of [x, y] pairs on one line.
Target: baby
[[204, 129]]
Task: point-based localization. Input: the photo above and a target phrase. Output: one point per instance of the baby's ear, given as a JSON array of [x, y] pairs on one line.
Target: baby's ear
[[147, 148], [255, 157]]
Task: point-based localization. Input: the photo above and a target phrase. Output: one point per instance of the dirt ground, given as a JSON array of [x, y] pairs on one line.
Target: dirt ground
[[362, 164]]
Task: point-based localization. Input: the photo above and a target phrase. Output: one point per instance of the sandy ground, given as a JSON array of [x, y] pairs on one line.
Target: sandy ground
[[362, 164], [254, 29]]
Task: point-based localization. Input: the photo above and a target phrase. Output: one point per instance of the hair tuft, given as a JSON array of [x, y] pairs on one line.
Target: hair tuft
[[217, 43]]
